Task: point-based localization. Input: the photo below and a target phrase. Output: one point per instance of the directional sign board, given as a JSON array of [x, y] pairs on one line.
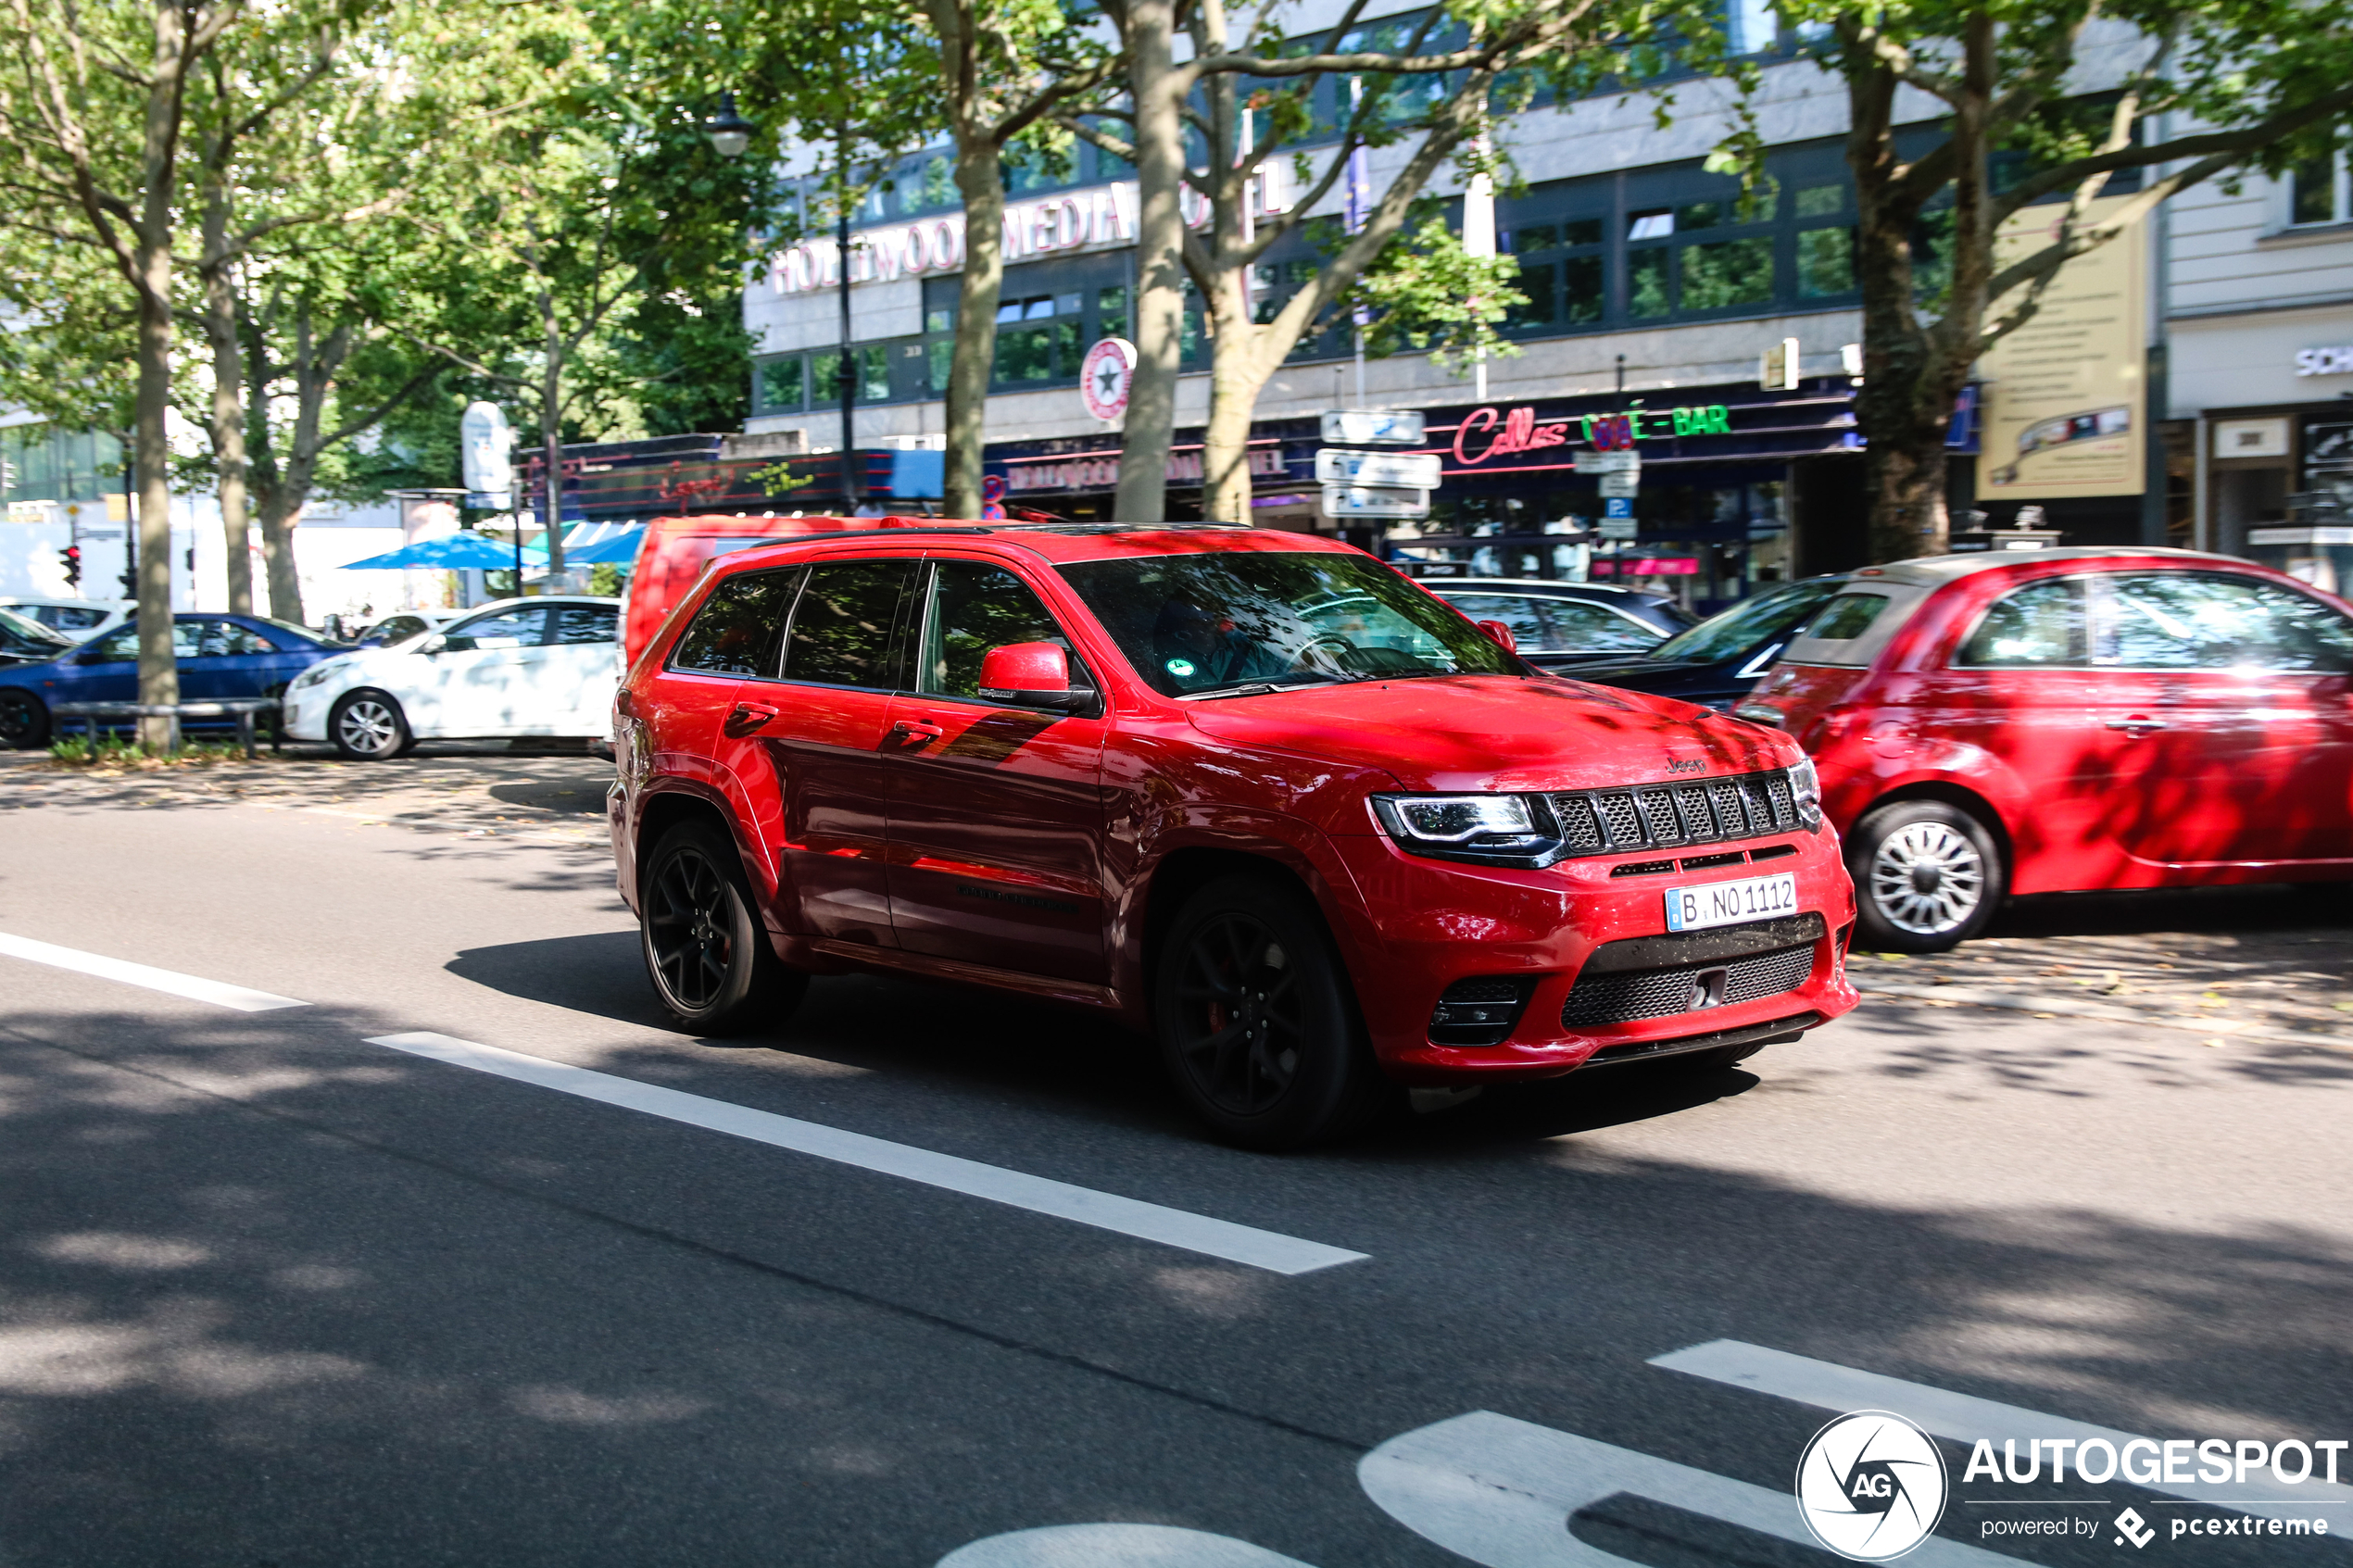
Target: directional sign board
[[1373, 427], [1411, 470], [1369, 500], [1609, 462]]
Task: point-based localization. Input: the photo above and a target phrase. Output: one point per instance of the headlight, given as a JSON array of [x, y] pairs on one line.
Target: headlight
[[1488, 829], [316, 674], [1806, 789]]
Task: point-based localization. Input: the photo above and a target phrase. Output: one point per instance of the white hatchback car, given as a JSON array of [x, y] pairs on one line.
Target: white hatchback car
[[79, 619], [520, 667]]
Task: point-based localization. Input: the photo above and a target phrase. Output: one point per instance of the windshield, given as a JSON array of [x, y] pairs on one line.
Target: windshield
[[1194, 625], [22, 633], [1745, 625]]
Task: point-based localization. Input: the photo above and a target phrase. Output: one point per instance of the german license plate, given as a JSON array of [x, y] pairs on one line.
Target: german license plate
[[1730, 903]]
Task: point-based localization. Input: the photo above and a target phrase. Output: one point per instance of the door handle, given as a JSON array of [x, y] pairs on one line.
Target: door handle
[[914, 733], [2136, 726], [748, 717]]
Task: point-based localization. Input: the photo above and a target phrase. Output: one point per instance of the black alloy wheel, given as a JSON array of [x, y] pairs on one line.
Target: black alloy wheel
[[367, 726], [24, 722], [1258, 1022], [706, 952]]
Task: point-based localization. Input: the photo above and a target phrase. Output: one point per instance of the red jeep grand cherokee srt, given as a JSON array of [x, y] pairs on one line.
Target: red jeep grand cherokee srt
[[1250, 792]]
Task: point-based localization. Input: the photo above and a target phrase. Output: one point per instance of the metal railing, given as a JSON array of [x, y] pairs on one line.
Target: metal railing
[[245, 710]]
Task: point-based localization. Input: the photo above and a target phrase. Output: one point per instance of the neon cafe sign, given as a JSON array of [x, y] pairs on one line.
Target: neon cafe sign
[[1485, 432]]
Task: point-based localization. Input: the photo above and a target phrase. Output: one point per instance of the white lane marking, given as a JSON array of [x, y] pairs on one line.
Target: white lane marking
[[1501, 1492], [1115, 1546], [131, 973], [1172, 1227], [1965, 1418]]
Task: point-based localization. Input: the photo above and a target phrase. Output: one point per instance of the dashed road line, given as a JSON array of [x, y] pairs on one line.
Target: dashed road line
[[168, 981], [1148, 1222]]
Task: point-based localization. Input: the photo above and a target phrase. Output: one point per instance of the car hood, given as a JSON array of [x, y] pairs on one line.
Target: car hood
[[1495, 733]]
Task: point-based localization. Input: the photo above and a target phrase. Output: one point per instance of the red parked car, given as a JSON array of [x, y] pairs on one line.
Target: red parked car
[[2067, 720], [1252, 792]]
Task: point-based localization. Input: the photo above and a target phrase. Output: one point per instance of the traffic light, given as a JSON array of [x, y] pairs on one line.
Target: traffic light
[[71, 556]]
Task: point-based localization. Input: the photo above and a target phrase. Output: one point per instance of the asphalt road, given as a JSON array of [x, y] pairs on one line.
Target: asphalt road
[[274, 1296]]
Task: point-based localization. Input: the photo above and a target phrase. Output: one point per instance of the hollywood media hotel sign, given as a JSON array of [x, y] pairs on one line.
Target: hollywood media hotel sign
[[1095, 218]]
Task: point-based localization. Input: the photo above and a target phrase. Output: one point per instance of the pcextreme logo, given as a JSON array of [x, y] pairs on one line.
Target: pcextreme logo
[[1872, 1485]]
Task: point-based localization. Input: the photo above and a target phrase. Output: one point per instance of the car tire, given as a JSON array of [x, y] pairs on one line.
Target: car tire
[[706, 951], [367, 726], [24, 720], [1257, 1021], [1927, 877]]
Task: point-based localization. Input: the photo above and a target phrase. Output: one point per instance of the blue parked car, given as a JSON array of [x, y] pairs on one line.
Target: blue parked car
[[220, 657]]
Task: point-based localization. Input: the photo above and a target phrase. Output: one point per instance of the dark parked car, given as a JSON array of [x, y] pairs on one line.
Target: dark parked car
[[1716, 662], [220, 657], [1562, 623]]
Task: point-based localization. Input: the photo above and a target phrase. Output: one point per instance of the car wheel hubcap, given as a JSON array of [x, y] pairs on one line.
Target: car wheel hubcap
[[1926, 878], [367, 726], [1240, 1026], [690, 927]]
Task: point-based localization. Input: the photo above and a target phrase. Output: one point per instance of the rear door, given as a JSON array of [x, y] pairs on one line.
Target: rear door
[[583, 668], [2241, 739], [821, 803], [995, 810]]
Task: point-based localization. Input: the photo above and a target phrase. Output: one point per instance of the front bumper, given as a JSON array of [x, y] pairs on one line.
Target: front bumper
[[1436, 922], [305, 710]]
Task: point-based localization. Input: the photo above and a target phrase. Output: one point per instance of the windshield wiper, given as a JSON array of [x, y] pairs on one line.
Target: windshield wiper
[[1260, 688]]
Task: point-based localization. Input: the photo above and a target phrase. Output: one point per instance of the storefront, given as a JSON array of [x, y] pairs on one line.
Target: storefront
[[2273, 453], [1738, 488]]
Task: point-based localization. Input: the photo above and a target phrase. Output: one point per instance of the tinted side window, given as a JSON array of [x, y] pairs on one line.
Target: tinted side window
[[506, 629], [1847, 615], [734, 632], [222, 639], [120, 643], [975, 607], [2039, 626], [587, 624], [1522, 613], [1580, 627], [2200, 620], [842, 629]]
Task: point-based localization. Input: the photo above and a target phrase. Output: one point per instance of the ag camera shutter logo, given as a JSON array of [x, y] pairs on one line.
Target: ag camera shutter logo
[[1872, 1485]]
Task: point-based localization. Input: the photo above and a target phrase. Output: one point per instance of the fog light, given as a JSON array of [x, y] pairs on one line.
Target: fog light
[[1482, 1010]]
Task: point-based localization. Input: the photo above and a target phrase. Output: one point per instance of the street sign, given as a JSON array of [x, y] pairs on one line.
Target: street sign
[[486, 447], [1609, 462], [1373, 427], [1619, 528], [1617, 505], [1106, 377], [1412, 471], [1614, 485], [1370, 500]]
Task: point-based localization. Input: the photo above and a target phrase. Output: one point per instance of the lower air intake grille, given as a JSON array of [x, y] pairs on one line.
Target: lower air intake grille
[[1627, 997]]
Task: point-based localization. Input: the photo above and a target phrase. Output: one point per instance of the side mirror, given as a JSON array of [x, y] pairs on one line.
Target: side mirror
[[433, 643], [1031, 675], [1499, 634]]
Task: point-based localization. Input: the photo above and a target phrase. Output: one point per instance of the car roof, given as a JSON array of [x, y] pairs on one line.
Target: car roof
[[528, 599], [1930, 572], [64, 604], [1056, 544], [1534, 585]]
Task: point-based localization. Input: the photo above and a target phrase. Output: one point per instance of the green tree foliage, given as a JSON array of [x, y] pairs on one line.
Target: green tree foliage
[[2239, 85]]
